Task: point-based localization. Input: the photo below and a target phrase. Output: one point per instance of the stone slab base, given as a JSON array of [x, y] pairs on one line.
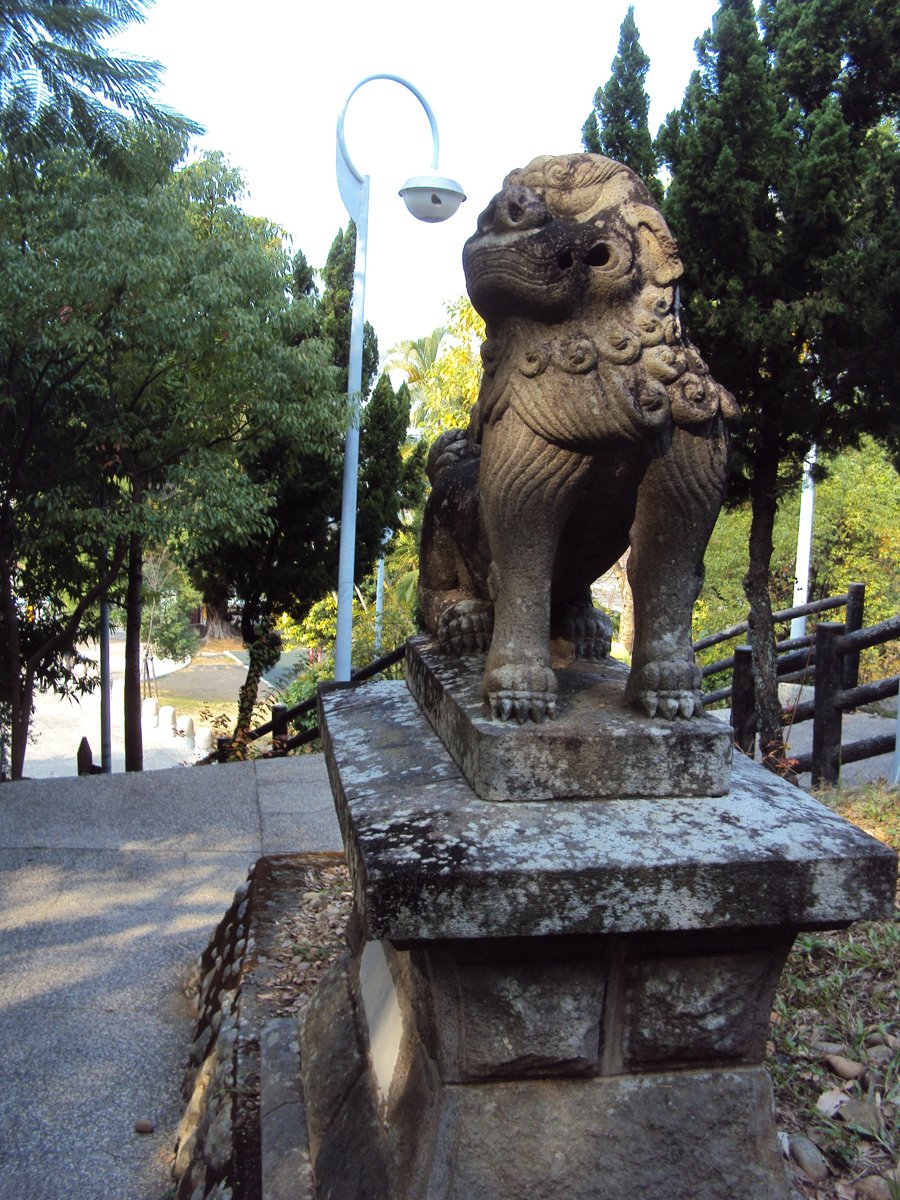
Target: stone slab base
[[564, 1000], [596, 747], [429, 860], [708, 1134]]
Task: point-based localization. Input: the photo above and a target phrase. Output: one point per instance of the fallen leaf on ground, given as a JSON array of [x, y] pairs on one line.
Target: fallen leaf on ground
[[831, 1102], [863, 1116], [845, 1068]]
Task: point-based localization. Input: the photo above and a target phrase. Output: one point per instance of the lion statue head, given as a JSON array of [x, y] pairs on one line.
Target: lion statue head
[[574, 271]]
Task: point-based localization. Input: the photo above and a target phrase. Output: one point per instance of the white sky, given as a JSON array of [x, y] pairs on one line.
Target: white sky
[[268, 80]]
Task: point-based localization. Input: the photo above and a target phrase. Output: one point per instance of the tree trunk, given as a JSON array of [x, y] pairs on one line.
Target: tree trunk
[[18, 705], [24, 672], [20, 724], [134, 745], [626, 618], [761, 625], [265, 650], [218, 623]]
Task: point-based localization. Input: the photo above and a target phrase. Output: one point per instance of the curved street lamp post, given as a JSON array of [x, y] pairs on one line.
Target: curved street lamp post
[[429, 197]]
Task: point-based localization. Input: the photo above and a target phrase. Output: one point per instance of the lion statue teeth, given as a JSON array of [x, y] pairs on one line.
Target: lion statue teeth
[[597, 428]]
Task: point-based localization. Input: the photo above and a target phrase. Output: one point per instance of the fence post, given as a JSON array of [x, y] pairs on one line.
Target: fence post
[[223, 745], [853, 620], [826, 747], [743, 701], [279, 727], [84, 757]]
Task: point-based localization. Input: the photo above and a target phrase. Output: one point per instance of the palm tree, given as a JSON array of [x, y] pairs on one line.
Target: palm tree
[[416, 357], [56, 76]]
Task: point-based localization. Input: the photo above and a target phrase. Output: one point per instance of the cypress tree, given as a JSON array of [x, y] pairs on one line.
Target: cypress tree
[[336, 307], [617, 124], [776, 182]]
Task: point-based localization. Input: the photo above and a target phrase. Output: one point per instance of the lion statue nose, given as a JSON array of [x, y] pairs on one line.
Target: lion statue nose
[[515, 210]]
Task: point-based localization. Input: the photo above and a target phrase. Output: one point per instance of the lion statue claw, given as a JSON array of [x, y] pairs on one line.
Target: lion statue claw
[[597, 429], [667, 689]]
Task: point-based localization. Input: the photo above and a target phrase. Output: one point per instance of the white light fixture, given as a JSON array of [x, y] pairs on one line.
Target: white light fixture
[[432, 197]]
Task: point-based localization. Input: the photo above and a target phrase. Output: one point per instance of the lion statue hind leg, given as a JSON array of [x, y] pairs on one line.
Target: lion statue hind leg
[[588, 629], [452, 566]]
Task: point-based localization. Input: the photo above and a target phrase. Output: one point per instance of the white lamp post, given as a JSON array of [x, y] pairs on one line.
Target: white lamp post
[[429, 197], [804, 541]]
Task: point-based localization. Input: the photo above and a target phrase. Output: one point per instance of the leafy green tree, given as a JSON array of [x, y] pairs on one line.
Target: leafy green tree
[[391, 475], [284, 568], [57, 78], [617, 124], [279, 573], [169, 598], [416, 357], [443, 371], [318, 630], [856, 537], [126, 379], [776, 197]]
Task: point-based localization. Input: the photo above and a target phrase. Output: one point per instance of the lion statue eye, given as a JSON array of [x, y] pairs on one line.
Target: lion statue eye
[[598, 255], [609, 256]]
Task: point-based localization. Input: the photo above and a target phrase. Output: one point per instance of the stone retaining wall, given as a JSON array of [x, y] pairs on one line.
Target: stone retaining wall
[[227, 1147], [224, 1049]]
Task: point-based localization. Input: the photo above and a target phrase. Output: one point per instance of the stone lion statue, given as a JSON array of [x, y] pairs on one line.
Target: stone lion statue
[[597, 428]]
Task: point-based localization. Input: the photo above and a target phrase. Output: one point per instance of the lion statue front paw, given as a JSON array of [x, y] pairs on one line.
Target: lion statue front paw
[[667, 689], [521, 692]]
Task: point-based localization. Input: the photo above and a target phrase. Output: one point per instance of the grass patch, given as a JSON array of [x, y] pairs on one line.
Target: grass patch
[[874, 807], [839, 999], [201, 710]]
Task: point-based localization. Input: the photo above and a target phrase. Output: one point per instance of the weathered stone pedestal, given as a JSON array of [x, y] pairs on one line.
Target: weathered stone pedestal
[[559, 999], [595, 749]]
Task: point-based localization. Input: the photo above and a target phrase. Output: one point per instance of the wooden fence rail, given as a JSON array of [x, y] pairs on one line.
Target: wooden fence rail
[[834, 648], [786, 614], [282, 715], [829, 661]]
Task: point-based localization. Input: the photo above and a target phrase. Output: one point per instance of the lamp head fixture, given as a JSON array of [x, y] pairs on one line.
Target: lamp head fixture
[[432, 197]]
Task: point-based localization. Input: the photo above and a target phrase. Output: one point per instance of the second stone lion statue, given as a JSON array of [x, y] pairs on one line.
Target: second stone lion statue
[[596, 428]]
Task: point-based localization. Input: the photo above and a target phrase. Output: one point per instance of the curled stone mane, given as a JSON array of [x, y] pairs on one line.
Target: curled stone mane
[[575, 185]]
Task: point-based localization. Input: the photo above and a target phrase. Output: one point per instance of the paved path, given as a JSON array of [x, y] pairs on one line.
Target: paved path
[[60, 724], [109, 889], [855, 727]]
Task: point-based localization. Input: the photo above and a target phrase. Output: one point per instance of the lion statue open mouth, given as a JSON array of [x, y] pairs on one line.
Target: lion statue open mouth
[[596, 428]]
